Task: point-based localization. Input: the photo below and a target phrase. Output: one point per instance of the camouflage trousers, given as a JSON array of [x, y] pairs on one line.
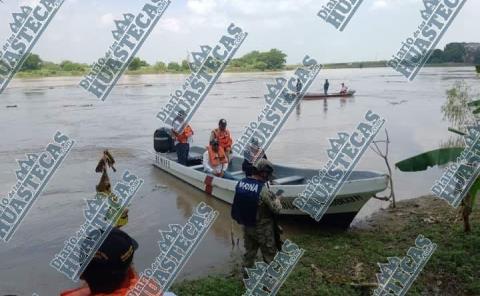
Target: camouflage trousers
[[259, 237]]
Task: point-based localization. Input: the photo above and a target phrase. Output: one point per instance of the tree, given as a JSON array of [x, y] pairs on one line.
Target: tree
[[274, 59], [476, 57], [454, 52], [71, 66], [32, 62], [437, 57], [160, 67], [185, 66], [136, 64], [460, 111], [269, 60], [174, 66]]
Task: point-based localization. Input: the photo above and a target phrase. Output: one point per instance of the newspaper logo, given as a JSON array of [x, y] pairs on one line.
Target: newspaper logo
[[266, 279], [281, 100], [176, 247], [461, 175], [338, 13], [398, 275], [344, 154], [130, 34], [437, 17], [27, 27], [32, 177], [184, 103], [101, 214]]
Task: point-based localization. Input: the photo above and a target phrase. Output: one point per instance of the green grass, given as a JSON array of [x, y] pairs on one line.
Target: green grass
[[345, 263]]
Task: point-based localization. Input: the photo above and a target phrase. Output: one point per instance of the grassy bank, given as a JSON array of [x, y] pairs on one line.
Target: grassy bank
[[42, 73], [345, 263]]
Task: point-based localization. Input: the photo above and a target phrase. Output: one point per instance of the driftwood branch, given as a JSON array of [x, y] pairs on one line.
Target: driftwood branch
[[384, 155]]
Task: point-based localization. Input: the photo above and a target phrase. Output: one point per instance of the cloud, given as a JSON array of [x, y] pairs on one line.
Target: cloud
[[379, 4], [106, 20], [202, 7], [171, 24]]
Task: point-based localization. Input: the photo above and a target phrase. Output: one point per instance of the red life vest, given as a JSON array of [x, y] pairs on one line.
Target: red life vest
[[217, 158], [224, 139], [184, 135]]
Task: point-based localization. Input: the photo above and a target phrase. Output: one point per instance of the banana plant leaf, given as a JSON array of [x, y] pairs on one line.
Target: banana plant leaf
[[429, 159], [475, 104], [451, 129]]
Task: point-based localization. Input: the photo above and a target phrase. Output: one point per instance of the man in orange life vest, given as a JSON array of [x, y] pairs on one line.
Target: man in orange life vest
[[215, 161], [110, 271], [182, 139], [222, 135]]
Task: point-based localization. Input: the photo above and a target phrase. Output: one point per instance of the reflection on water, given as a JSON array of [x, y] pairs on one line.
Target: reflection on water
[[125, 124]]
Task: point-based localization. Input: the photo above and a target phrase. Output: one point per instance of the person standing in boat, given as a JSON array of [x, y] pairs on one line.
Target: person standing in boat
[[223, 137], [254, 207], [299, 86], [344, 89], [253, 152], [326, 85], [182, 139], [215, 161]]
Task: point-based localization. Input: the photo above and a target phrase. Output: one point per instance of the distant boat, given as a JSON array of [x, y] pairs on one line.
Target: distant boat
[[478, 68], [318, 96], [355, 193]]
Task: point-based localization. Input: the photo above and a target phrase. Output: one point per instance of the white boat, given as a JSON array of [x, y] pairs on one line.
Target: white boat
[[356, 191]]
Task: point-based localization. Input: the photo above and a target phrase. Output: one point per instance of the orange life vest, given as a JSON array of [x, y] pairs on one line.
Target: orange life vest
[[128, 284], [224, 139], [217, 158], [183, 136]]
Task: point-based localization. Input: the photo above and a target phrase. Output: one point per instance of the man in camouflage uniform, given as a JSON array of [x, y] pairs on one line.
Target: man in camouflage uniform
[[254, 207]]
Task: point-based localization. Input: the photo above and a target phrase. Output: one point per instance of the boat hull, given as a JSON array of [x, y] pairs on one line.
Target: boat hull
[[351, 198], [319, 96]]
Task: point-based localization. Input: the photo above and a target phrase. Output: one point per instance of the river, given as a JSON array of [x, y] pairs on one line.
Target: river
[[125, 123]]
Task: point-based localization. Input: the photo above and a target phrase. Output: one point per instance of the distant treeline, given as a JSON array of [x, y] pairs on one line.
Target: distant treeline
[[253, 61], [274, 59], [468, 53]]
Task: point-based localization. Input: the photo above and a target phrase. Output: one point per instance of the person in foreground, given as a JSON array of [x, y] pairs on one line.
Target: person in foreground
[[254, 207], [111, 272], [215, 161]]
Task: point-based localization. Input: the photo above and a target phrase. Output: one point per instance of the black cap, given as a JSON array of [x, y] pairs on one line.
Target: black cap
[[222, 122], [115, 253]]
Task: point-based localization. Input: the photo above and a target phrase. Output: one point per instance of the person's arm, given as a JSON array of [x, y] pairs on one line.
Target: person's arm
[[212, 136], [271, 200], [206, 164], [224, 167]]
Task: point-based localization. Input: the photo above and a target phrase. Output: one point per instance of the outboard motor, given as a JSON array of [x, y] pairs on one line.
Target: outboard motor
[[163, 141]]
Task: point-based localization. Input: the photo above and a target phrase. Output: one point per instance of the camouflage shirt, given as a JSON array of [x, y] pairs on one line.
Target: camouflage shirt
[[267, 206]]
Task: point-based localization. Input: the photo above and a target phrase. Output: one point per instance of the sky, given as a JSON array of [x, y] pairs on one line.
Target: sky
[[81, 30]]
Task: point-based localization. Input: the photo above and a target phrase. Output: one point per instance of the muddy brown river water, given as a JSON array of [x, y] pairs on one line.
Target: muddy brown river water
[[125, 124]]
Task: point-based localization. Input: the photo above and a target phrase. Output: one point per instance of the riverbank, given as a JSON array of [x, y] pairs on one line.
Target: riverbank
[[43, 73], [345, 263]]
